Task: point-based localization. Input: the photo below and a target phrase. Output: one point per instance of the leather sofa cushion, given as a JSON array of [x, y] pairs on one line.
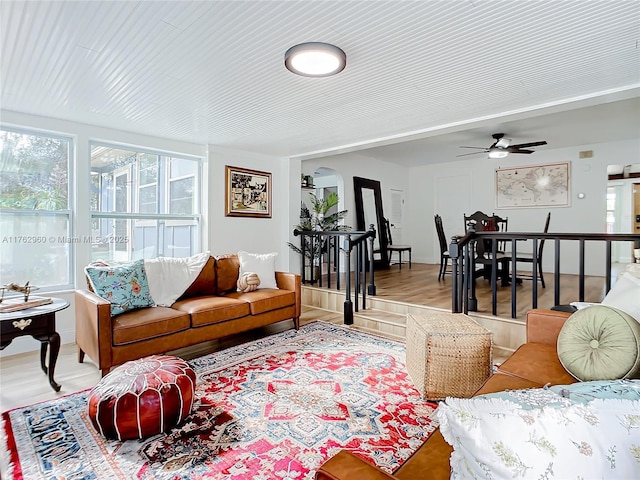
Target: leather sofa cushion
[[349, 466], [499, 382], [205, 283], [430, 462], [209, 310], [227, 273], [261, 301], [147, 323], [537, 362]]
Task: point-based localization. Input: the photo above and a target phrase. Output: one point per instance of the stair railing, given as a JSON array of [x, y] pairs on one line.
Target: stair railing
[[462, 252], [325, 247]]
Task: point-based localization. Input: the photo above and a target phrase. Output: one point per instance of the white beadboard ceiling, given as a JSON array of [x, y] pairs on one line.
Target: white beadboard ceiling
[[213, 71]]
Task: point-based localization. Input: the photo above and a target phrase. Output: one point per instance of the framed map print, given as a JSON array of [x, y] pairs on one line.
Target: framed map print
[[248, 193], [533, 186]]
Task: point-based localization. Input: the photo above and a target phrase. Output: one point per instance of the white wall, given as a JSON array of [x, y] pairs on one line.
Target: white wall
[[586, 215], [257, 235], [427, 189]]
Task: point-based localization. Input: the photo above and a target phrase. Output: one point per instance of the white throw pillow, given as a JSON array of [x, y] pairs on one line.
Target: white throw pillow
[[633, 269], [263, 264], [169, 277], [498, 439], [625, 295]]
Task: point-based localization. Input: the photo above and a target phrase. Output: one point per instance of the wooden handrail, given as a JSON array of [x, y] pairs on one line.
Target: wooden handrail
[[354, 247], [462, 253]]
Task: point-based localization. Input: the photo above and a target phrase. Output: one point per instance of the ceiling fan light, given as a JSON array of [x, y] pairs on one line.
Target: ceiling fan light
[[498, 153], [315, 59]]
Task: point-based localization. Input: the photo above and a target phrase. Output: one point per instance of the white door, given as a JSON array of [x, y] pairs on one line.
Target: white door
[[395, 218]]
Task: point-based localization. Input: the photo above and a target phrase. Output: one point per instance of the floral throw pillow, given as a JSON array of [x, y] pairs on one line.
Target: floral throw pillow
[[550, 438], [124, 286]]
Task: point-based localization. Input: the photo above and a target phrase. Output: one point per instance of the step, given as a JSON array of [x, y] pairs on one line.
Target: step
[[388, 317], [381, 322]]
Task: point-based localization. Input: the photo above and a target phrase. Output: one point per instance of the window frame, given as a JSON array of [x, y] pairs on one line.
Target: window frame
[[61, 213], [162, 192]]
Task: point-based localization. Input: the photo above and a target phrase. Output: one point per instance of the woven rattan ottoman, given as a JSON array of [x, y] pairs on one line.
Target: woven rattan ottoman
[[448, 354]]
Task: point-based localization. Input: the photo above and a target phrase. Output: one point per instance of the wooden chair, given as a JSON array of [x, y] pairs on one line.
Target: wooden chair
[[484, 257], [484, 260], [444, 248], [395, 248], [528, 257], [501, 225], [483, 222]]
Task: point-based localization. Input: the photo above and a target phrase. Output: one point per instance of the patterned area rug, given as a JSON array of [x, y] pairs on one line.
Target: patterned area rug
[[275, 408]]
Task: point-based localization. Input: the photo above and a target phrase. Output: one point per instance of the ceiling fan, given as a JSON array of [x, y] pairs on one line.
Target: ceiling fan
[[502, 147]]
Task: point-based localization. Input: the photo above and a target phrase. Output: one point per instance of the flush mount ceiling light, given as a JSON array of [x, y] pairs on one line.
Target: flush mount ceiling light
[[315, 59]]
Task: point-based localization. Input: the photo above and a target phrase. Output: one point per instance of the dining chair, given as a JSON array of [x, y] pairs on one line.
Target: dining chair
[[484, 260], [484, 256], [501, 225], [528, 257], [395, 248], [444, 248], [483, 222]]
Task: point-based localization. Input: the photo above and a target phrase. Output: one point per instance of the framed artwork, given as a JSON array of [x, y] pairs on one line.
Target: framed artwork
[[248, 193], [533, 186]]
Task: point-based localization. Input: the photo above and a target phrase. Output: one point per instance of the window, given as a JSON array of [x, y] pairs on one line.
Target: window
[[145, 204], [148, 172], [35, 218], [181, 186]]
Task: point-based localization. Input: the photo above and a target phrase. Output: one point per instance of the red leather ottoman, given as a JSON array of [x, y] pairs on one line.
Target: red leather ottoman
[[142, 397]]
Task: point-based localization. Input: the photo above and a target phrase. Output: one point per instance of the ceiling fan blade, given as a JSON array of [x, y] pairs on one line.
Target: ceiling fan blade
[[502, 144], [472, 153], [531, 144], [521, 151]]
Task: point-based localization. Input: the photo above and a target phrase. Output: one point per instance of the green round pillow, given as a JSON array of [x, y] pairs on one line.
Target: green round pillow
[[600, 343]]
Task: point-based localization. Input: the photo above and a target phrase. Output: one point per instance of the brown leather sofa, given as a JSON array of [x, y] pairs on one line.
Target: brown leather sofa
[[532, 365], [211, 308]]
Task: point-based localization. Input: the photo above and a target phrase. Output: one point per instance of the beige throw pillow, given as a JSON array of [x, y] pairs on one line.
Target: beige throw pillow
[[248, 282]]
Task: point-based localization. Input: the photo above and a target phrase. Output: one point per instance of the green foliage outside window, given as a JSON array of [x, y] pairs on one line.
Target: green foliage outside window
[[33, 172]]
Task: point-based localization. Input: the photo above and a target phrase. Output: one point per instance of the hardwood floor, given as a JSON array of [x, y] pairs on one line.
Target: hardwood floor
[[22, 382], [419, 285]]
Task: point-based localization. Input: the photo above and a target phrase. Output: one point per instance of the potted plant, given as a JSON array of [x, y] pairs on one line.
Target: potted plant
[[317, 218]]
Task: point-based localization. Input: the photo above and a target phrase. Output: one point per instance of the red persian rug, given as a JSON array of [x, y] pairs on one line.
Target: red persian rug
[[275, 408]]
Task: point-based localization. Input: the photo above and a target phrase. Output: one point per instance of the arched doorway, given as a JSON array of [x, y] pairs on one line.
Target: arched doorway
[[325, 181]]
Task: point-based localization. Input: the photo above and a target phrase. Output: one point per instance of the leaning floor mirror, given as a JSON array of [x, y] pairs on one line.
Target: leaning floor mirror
[[368, 198]]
